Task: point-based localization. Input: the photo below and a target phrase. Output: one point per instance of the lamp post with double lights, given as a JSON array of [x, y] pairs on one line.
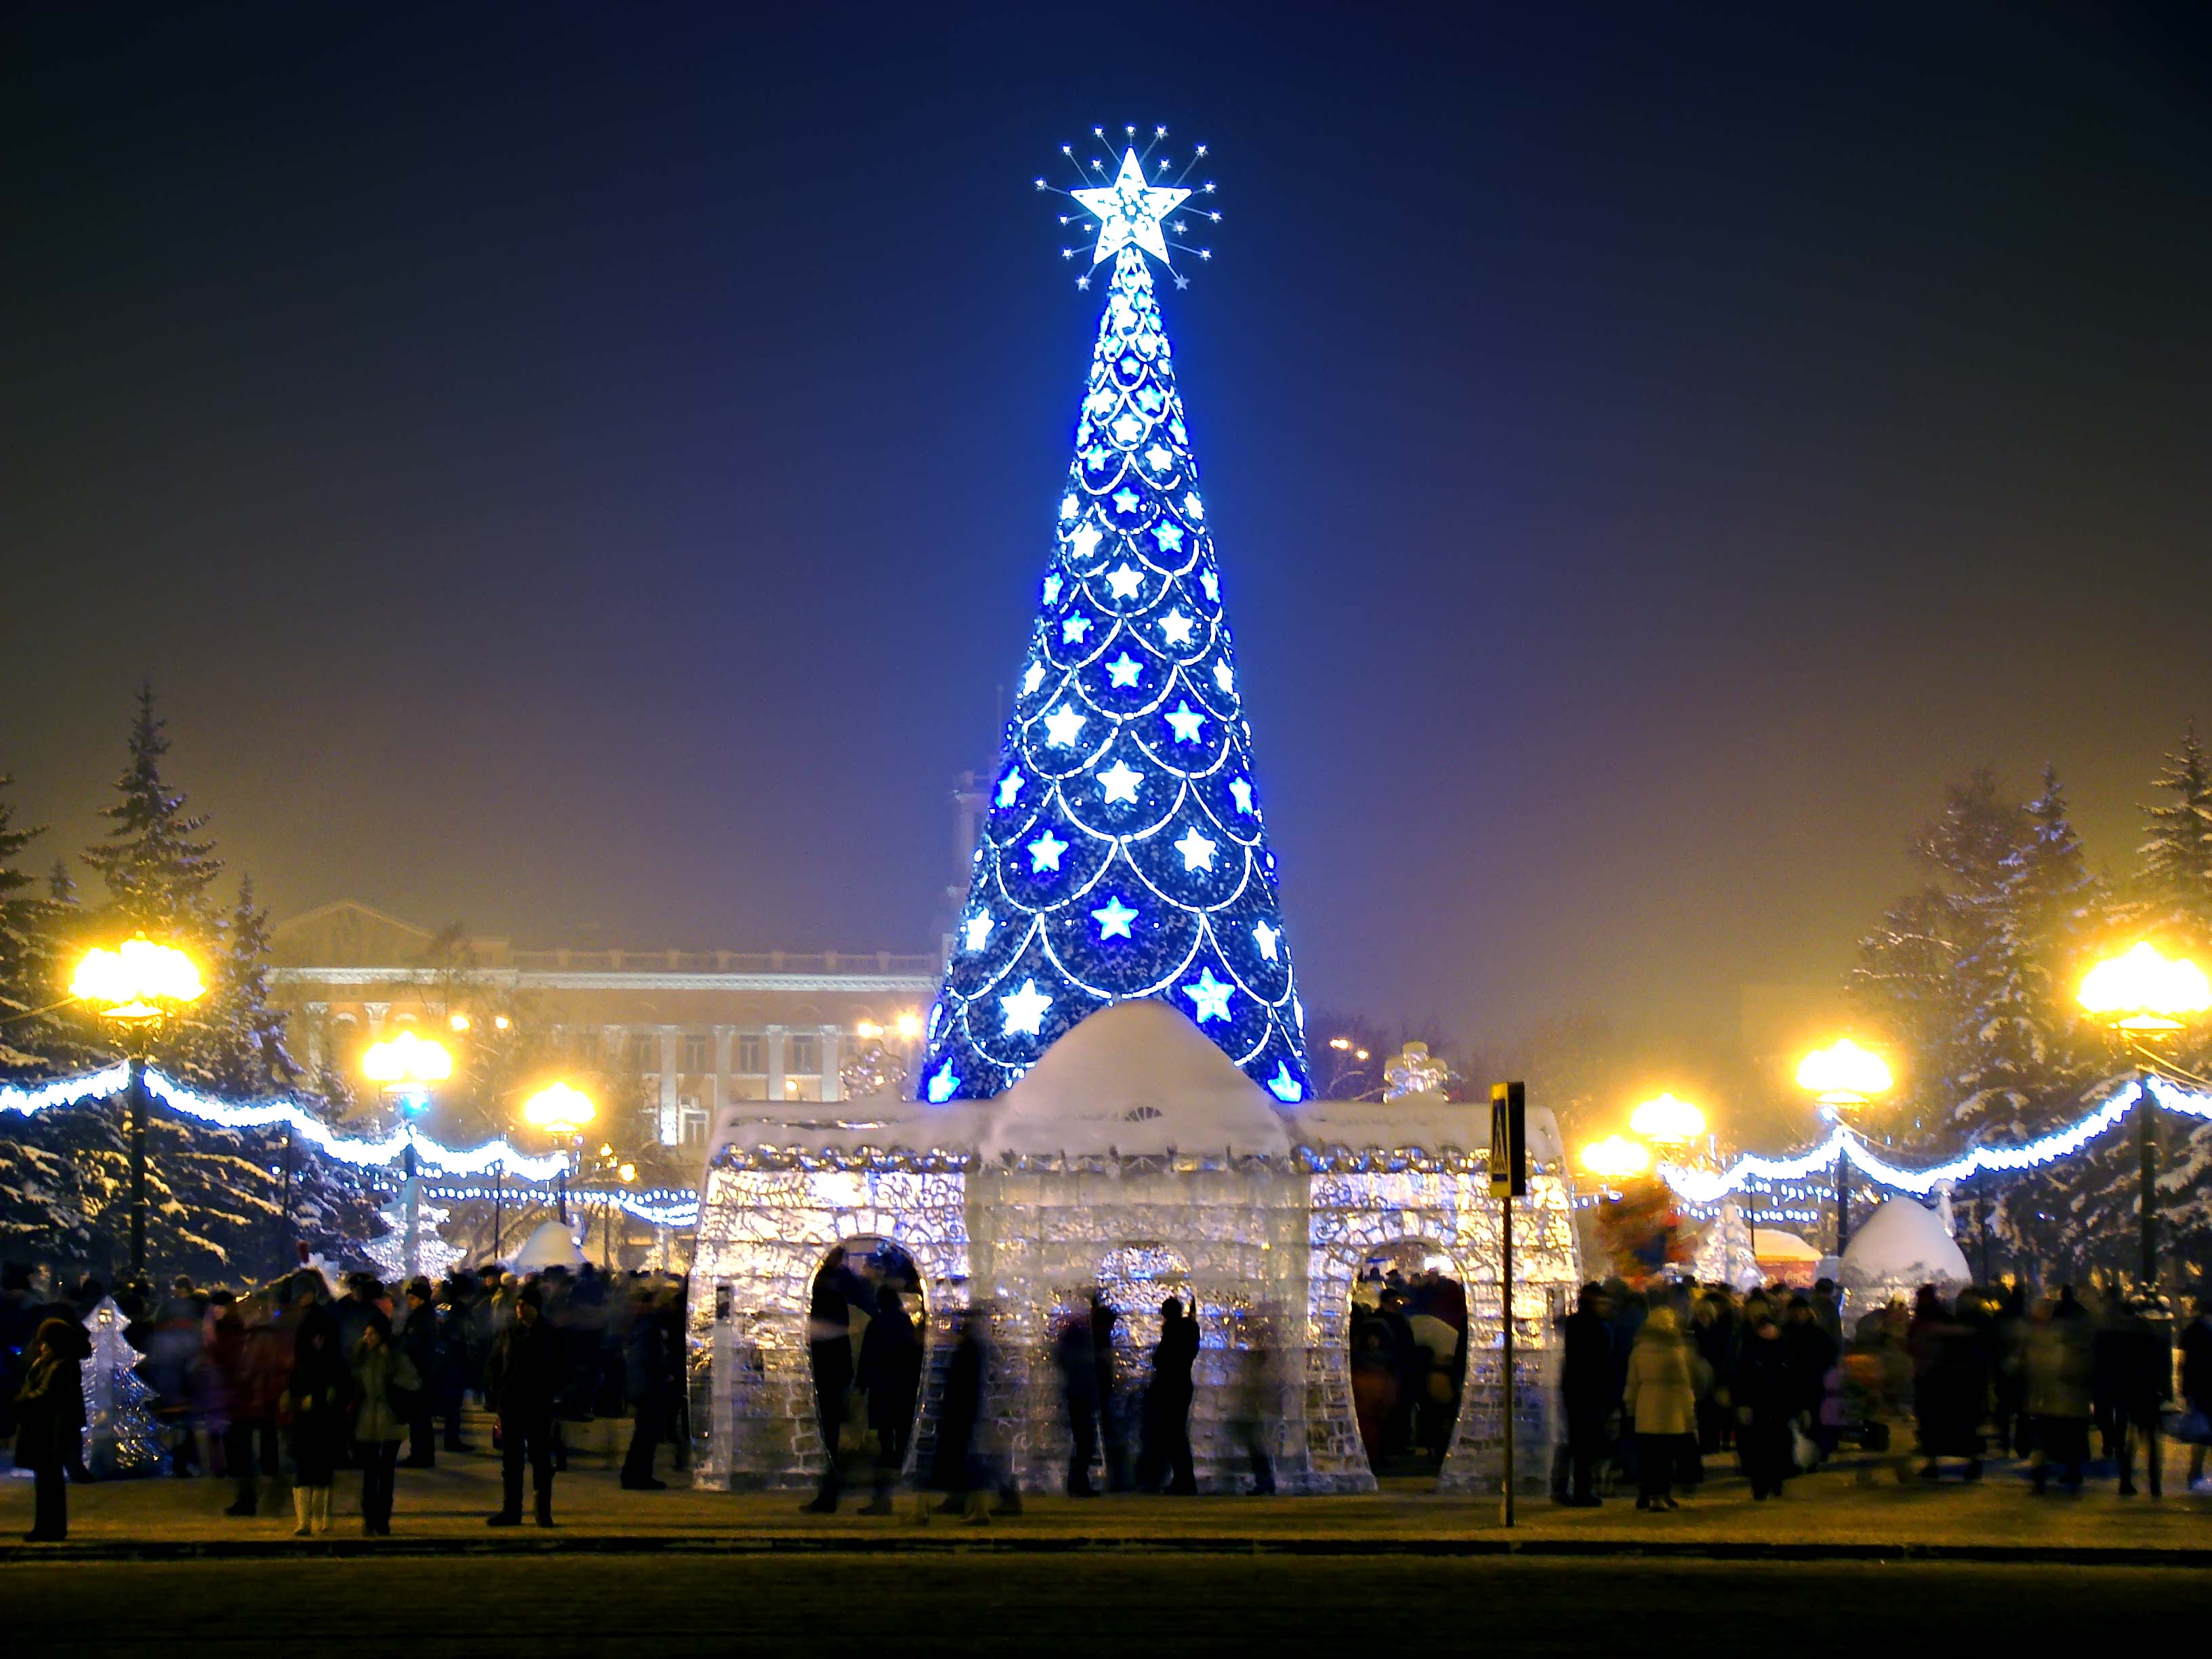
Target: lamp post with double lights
[[563, 1111], [134, 988], [1839, 1077], [404, 1067], [2145, 999]]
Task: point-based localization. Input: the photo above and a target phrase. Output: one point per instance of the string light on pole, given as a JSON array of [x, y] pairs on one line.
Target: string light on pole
[[134, 988], [404, 1067], [2144, 999], [1841, 1076]]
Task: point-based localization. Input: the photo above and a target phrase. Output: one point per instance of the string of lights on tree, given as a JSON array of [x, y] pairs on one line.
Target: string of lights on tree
[[1124, 854]]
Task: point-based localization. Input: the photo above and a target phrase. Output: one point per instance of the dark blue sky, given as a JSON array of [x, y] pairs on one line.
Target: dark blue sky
[[570, 469]]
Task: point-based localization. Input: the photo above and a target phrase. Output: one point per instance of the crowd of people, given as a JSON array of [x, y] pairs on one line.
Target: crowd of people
[[280, 1388], [1656, 1382], [1408, 1364]]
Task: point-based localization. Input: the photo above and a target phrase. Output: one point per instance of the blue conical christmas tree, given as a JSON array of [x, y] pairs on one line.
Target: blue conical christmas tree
[[1124, 853]]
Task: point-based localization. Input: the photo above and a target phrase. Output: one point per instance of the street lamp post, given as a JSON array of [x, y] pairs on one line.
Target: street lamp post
[[561, 1109], [2145, 999], [1838, 1077], [134, 988], [404, 1067]]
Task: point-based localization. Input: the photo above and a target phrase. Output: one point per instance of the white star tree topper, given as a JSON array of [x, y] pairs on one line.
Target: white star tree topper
[[1130, 210]]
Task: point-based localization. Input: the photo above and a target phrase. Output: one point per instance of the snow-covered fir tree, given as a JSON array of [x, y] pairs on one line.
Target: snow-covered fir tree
[[2172, 895], [41, 1190], [1929, 972], [157, 869], [2170, 900]]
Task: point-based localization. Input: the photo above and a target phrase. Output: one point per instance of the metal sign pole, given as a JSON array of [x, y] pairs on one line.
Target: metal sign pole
[[1505, 1282], [1509, 1180]]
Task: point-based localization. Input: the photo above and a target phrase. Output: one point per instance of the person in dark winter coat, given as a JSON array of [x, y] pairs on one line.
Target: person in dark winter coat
[[645, 1384], [830, 1345], [964, 1468], [418, 1341], [890, 1374], [1167, 1403], [1588, 1389], [523, 1380], [2143, 1361], [1950, 1384], [1073, 1354], [51, 1378], [2196, 1378], [314, 1408], [1764, 1390]]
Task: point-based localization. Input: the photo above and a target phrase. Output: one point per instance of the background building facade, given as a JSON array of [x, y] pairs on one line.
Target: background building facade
[[695, 1030]]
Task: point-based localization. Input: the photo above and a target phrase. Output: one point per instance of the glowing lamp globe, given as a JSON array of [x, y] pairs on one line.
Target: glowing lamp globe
[[2144, 991], [560, 1108], [1844, 1074], [909, 1025], [1666, 1121], [1615, 1159], [138, 981], [406, 1059]]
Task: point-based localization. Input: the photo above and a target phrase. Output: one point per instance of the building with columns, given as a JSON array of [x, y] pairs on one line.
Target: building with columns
[[702, 1029]]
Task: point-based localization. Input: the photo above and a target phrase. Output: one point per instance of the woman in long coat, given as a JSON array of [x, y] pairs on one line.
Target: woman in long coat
[[47, 1430], [1661, 1398], [315, 1412]]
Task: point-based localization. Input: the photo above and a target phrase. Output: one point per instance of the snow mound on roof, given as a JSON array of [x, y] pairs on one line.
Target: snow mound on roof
[[879, 1123], [1427, 1121], [1135, 1078], [1902, 1246]]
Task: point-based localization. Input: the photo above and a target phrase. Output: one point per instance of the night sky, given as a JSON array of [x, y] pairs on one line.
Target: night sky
[[584, 471]]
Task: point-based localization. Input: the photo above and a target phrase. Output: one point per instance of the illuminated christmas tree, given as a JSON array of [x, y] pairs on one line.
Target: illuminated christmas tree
[[120, 1436], [1124, 853]]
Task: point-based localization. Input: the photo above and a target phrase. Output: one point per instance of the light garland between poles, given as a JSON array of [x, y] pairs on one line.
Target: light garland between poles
[[1706, 1186], [361, 1152], [679, 1207]]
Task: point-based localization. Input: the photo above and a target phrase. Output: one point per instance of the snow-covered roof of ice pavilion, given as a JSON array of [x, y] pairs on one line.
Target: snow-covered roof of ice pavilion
[[1133, 1080]]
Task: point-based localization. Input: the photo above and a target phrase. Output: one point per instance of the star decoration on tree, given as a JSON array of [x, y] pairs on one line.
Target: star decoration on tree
[[1209, 998], [1174, 628], [1186, 722], [1129, 211], [978, 929], [1240, 790], [1010, 788], [1044, 853], [1119, 782], [1122, 672], [1114, 918], [1125, 583], [1024, 1009], [1265, 938], [1197, 851], [1063, 726]]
